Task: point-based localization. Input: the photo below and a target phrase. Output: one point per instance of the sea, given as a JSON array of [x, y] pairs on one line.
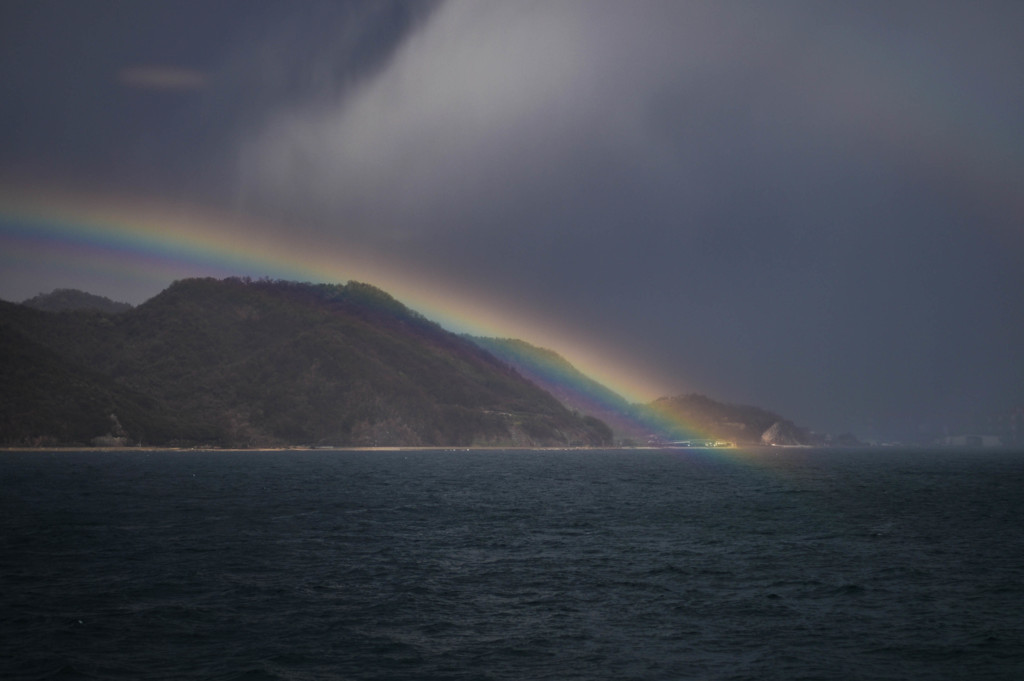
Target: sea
[[512, 564]]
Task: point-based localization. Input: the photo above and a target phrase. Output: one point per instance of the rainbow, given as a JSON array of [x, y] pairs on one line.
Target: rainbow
[[149, 244], [656, 423]]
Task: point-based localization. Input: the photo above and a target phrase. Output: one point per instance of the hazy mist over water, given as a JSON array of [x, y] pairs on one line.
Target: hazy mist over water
[[787, 564]]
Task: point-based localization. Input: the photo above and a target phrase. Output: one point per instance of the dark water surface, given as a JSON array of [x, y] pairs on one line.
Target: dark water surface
[[792, 564]]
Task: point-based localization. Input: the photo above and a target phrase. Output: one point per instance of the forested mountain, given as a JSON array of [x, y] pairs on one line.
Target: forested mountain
[[573, 388], [47, 399], [666, 419], [260, 363]]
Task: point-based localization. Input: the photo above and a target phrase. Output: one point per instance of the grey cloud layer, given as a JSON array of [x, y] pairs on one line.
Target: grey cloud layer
[[492, 104], [750, 191]]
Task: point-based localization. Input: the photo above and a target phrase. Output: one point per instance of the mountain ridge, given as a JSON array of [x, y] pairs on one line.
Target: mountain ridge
[[573, 388], [238, 362], [246, 363], [692, 417], [68, 299]]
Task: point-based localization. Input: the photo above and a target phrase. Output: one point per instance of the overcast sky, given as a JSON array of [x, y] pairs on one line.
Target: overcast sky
[[814, 207]]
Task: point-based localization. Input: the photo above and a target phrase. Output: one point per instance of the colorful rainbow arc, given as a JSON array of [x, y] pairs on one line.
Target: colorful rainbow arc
[[152, 243]]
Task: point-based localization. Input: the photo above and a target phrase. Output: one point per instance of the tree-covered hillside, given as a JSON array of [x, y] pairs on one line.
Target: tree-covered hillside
[[261, 363], [667, 419], [573, 388]]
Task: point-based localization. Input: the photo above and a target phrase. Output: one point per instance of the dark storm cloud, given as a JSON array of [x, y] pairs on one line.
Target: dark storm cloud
[[542, 96], [809, 206], [771, 201], [148, 94], [65, 68]]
